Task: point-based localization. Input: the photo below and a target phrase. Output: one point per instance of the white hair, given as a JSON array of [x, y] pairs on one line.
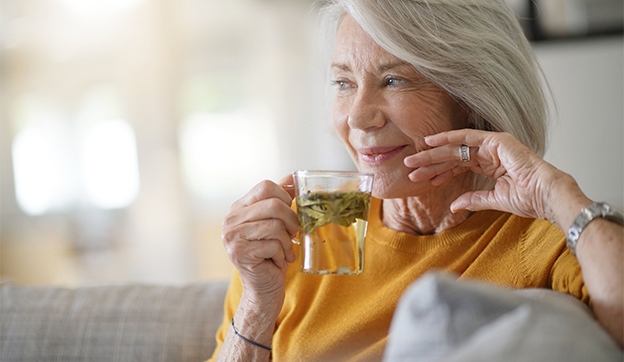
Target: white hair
[[473, 49]]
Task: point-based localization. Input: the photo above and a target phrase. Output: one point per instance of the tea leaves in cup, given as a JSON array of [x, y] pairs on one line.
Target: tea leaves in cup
[[317, 209]]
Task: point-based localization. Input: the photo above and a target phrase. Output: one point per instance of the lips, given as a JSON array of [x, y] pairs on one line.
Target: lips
[[377, 155]]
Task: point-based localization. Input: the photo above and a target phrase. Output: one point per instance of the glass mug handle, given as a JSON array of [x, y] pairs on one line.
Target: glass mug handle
[[294, 239]]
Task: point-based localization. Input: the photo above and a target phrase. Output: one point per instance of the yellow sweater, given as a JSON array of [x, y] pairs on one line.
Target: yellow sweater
[[347, 318]]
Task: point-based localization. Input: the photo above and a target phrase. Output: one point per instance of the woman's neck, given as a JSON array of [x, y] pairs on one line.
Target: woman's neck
[[427, 214]]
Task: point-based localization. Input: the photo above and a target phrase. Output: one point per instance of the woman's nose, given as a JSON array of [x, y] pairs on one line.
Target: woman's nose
[[365, 112]]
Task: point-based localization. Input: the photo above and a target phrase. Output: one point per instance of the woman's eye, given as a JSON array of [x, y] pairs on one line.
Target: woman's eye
[[340, 84], [392, 81]]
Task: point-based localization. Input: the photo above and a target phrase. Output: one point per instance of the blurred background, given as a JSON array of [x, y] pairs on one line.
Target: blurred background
[[128, 127]]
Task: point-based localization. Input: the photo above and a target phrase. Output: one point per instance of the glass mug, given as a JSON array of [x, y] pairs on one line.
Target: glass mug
[[332, 208]]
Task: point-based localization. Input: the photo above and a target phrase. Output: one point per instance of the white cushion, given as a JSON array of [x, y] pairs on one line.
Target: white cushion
[[442, 319]]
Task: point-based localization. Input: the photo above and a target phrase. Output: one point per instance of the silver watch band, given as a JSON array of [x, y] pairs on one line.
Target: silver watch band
[[587, 214]]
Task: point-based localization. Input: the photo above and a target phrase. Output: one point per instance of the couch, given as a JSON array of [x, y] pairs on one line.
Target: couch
[[129, 322], [437, 319]]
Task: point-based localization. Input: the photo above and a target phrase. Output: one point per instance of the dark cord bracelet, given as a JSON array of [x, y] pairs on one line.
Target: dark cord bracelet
[[249, 341]]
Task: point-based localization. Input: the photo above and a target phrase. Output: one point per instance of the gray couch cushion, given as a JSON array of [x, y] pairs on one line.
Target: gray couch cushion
[[441, 319], [110, 323]]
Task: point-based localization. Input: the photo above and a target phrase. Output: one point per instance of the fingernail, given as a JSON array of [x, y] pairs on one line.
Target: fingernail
[[413, 176]]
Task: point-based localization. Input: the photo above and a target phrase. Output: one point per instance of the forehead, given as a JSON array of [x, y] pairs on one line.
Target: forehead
[[354, 46]]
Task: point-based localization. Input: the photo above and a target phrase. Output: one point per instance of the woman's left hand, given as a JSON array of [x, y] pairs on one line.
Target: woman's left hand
[[528, 186], [523, 180]]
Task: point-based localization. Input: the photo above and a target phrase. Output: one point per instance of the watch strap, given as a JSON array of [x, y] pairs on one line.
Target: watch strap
[[587, 214]]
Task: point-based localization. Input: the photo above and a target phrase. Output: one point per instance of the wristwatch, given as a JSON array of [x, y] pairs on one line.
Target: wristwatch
[[589, 213]]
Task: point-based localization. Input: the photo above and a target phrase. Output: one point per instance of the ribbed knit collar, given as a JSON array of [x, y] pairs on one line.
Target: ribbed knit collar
[[477, 223]]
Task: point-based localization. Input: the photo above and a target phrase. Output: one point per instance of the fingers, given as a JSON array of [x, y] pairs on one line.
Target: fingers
[[269, 219], [271, 209], [442, 178], [441, 154], [264, 190], [474, 201], [260, 227], [516, 170], [252, 234], [427, 157], [445, 158], [438, 172], [469, 137], [438, 164], [250, 255]]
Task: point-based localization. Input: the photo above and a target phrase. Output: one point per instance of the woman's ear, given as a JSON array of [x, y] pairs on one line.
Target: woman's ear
[[470, 120], [467, 115], [474, 121]]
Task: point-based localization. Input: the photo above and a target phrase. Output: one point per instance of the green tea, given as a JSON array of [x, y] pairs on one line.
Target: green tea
[[332, 231], [317, 209]]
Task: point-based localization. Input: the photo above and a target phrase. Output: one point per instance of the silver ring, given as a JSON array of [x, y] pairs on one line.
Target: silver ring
[[464, 153]]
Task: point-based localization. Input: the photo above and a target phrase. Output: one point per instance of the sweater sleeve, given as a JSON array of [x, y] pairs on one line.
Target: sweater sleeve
[[232, 299], [548, 262], [566, 276]]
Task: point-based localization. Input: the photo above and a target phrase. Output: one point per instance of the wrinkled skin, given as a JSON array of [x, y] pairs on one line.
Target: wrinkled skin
[[408, 132], [523, 179], [257, 235]]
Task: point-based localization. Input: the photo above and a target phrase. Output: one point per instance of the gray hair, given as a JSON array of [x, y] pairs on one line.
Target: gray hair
[[473, 49]]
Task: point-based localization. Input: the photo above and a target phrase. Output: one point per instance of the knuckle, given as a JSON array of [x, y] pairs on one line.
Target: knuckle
[[236, 205], [228, 222], [274, 203], [277, 224], [264, 187], [228, 236], [235, 253]]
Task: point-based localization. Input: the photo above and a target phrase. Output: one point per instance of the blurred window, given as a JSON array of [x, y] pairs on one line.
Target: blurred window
[[223, 152], [42, 173], [50, 175], [110, 168]]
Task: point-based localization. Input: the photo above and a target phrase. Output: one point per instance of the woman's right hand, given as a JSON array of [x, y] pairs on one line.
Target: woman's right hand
[[257, 235]]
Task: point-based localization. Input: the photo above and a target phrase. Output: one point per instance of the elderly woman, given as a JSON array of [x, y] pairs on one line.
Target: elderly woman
[[442, 102]]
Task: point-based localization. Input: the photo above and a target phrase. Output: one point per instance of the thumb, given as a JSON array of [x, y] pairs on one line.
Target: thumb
[[473, 201]]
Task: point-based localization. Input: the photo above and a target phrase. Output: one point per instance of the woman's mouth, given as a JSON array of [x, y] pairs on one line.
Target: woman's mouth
[[377, 155]]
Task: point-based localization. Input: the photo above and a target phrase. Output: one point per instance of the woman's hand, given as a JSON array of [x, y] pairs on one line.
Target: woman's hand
[[523, 180], [257, 235], [528, 186]]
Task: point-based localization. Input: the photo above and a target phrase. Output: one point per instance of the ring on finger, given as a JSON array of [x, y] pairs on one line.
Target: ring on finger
[[464, 153]]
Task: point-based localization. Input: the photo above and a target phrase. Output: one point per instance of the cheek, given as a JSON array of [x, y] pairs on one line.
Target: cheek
[[424, 115], [340, 119]]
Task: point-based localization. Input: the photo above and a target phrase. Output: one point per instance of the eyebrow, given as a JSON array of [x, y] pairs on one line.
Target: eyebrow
[[341, 66], [382, 67], [392, 65]]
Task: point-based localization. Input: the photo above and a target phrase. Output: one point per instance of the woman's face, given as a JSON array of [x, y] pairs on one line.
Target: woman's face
[[383, 110]]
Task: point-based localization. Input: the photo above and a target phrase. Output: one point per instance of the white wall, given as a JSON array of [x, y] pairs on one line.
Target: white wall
[[587, 133]]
